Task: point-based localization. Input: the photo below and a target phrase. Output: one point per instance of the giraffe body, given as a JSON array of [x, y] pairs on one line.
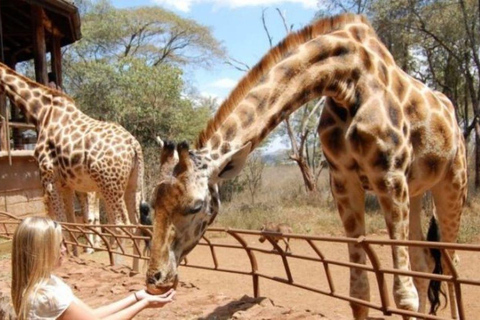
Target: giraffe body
[[381, 131], [78, 153]]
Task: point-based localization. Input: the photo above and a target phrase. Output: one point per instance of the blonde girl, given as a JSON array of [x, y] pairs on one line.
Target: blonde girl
[[37, 250]]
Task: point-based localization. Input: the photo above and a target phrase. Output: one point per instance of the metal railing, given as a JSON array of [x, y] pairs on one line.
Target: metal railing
[[110, 236]]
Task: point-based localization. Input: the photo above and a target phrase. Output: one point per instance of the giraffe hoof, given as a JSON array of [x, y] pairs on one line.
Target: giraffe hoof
[[359, 312]]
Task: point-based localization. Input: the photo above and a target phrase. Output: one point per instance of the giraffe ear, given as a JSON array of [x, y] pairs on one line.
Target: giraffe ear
[[233, 162]]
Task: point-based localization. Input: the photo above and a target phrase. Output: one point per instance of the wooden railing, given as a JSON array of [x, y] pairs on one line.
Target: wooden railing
[[110, 236]]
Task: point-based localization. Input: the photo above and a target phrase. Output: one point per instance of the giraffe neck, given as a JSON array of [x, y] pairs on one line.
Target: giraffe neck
[[320, 67], [31, 97]]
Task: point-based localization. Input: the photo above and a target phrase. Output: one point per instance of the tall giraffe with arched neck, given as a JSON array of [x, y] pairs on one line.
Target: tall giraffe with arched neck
[[381, 131], [78, 153]]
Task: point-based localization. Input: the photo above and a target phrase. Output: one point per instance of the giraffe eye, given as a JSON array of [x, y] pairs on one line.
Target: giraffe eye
[[197, 207]]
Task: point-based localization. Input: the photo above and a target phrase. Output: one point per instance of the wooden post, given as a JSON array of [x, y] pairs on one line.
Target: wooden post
[[56, 56], [3, 123], [39, 48], [15, 114]]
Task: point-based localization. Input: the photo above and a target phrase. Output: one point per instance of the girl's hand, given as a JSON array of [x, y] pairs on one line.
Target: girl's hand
[[158, 301]]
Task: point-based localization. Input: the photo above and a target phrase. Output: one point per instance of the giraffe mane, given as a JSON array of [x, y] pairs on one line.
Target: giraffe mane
[[273, 56], [32, 83]]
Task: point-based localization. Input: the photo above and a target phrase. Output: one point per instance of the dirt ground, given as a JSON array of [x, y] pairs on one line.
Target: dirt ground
[[205, 294]]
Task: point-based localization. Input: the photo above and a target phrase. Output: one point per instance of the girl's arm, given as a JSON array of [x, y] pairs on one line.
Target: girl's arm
[[124, 309], [104, 311], [133, 300]]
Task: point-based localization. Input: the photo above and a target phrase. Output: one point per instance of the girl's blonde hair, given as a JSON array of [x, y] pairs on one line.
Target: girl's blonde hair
[[35, 254]]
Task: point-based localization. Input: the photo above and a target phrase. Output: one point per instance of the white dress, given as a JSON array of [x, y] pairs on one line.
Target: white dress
[[51, 300]]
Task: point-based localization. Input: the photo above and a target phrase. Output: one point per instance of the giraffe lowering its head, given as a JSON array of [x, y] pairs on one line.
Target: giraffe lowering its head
[[381, 131], [78, 153]]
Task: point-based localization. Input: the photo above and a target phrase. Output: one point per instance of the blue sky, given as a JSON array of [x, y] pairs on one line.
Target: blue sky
[[237, 25]]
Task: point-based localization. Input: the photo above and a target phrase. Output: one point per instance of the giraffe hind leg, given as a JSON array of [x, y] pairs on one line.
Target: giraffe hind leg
[[116, 214], [420, 258], [449, 198], [287, 245], [133, 203]]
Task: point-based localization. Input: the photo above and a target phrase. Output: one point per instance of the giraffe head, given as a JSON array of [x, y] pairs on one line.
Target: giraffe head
[[185, 202]]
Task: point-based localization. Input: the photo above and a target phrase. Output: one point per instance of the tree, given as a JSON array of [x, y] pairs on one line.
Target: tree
[[253, 173], [445, 38], [127, 68], [303, 144], [153, 34], [305, 122]]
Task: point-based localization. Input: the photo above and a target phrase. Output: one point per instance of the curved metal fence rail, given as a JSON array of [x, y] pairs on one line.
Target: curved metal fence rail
[[111, 236]]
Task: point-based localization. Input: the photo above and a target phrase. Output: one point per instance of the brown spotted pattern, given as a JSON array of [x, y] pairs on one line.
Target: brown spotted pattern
[[78, 153], [381, 131]]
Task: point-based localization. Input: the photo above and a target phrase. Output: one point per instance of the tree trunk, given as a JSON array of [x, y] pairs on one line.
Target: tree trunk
[[308, 177], [477, 155]]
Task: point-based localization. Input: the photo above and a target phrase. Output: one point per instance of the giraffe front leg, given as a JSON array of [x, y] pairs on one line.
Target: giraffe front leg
[[68, 198], [54, 202], [89, 204], [395, 204], [350, 200]]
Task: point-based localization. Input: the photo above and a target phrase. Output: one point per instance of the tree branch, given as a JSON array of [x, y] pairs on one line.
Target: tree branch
[[266, 29], [239, 65]]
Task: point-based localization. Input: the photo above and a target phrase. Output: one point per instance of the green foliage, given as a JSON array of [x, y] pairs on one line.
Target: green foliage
[[152, 34], [146, 106], [126, 69], [231, 187]]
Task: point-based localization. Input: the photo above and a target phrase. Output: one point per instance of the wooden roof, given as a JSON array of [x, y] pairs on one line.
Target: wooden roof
[[61, 17]]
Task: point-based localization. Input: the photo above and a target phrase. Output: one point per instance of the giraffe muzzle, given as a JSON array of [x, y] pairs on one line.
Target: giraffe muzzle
[[156, 286]]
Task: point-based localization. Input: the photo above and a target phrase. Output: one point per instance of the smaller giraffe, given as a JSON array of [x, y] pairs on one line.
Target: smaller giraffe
[[279, 228], [78, 153]]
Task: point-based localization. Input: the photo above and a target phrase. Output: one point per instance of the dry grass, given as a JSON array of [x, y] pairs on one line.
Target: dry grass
[[5, 248], [283, 199]]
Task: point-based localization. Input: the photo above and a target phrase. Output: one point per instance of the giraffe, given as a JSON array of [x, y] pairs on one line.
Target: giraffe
[[77, 153], [90, 214], [280, 228], [381, 131]]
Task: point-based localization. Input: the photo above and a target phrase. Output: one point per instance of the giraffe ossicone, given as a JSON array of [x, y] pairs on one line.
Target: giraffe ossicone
[[381, 131]]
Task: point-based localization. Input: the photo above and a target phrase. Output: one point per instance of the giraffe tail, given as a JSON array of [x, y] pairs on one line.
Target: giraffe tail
[[146, 220], [435, 286]]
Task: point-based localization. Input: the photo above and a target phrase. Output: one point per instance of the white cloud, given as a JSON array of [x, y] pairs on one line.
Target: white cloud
[[185, 5], [224, 83], [207, 94]]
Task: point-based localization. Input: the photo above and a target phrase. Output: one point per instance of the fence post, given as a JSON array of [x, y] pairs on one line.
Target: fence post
[[457, 288], [382, 285], [253, 262]]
